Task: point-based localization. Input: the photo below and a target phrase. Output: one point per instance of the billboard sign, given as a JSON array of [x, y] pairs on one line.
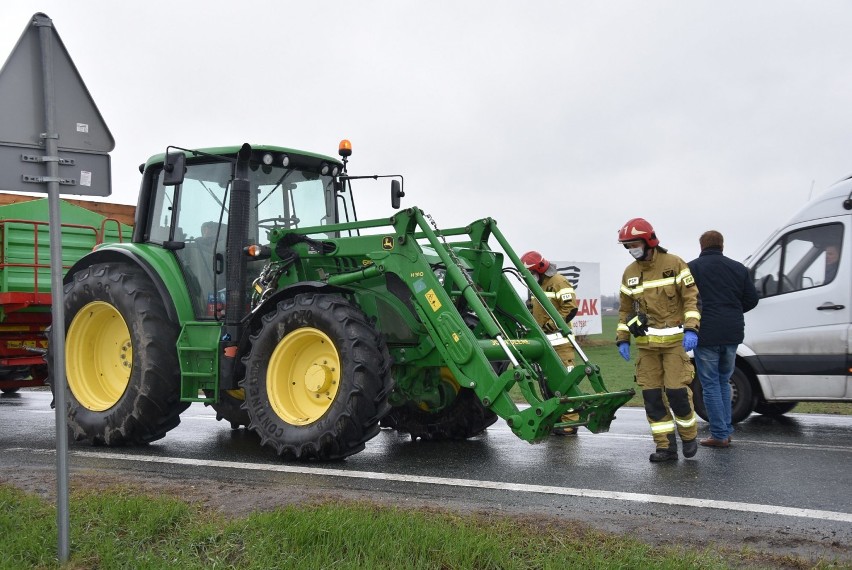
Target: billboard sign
[[586, 280]]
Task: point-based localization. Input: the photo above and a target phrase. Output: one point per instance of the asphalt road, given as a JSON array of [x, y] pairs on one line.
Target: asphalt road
[[784, 482]]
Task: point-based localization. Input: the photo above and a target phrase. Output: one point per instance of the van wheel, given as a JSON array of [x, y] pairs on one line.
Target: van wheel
[[698, 399], [742, 397], [774, 409]]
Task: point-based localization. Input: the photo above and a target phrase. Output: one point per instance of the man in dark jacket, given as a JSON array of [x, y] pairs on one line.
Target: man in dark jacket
[[725, 292]]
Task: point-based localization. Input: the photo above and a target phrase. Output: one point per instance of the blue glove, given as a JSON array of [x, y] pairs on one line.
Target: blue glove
[[690, 340], [624, 350]]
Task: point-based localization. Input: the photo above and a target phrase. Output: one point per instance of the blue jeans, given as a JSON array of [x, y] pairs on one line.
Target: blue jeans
[[715, 365]]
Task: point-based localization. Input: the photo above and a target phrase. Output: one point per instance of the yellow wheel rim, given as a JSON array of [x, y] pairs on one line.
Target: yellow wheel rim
[[303, 376], [98, 356]]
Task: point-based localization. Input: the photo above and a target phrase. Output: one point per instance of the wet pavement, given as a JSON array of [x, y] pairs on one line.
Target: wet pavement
[[786, 474]]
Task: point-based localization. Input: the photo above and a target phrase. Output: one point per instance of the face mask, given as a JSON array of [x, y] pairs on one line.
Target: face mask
[[637, 252]]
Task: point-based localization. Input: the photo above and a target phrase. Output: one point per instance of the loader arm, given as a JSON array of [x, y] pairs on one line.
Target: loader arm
[[498, 348]]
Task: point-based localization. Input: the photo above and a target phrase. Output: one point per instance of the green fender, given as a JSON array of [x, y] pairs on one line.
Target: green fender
[[158, 263]]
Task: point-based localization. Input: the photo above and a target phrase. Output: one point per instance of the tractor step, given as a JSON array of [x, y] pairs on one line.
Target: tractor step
[[199, 363]]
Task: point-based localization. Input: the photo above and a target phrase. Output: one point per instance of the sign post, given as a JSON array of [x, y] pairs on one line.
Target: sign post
[[63, 142]]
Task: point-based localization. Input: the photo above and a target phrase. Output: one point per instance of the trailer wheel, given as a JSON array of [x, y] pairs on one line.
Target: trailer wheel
[[463, 418], [774, 409], [317, 378], [742, 397], [120, 357]]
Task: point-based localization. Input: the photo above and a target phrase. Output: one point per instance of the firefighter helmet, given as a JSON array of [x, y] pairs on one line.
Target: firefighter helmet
[[638, 228], [534, 261]]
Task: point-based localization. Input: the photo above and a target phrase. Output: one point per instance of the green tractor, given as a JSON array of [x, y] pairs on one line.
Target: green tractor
[[250, 285]]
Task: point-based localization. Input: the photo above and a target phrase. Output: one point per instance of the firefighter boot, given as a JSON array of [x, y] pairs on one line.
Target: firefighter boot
[[690, 448], [665, 454]]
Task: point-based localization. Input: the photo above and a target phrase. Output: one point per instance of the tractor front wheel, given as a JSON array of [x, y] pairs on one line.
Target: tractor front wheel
[[317, 378], [120, 357], [230, 408]]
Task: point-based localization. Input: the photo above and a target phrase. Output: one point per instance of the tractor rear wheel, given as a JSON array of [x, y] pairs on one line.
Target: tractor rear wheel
[[463, 418], [317, 378], [120, 357]]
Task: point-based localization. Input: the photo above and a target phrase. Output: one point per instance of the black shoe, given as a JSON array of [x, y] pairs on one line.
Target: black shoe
[[663, 455], [690, 448]]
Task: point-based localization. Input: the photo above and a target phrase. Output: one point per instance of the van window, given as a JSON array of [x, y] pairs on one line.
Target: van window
[[801, 259]]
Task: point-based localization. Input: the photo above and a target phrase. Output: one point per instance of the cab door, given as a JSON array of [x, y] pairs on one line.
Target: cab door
[[800, 330]]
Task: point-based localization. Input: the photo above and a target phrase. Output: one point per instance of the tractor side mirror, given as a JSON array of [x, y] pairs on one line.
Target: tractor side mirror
[[174, 169], [396, 194]]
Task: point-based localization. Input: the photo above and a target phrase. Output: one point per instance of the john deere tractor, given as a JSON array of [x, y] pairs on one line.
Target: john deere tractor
[[250, 285]]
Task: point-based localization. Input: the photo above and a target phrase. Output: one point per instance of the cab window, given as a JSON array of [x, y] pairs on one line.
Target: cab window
[[801, 259]]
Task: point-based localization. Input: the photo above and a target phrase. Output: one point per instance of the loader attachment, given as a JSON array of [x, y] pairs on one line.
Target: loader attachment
[[453, 307]]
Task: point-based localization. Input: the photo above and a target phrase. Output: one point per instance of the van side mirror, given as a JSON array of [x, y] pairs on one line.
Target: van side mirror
[[396, 194], [174, 169]]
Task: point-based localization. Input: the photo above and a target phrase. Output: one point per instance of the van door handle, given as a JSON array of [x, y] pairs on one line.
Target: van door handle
[[829, 306]]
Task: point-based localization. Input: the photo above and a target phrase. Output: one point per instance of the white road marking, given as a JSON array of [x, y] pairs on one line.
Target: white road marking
[[476, 484]]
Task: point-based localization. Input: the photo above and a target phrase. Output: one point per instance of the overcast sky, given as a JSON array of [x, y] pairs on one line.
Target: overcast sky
[[559, 119]]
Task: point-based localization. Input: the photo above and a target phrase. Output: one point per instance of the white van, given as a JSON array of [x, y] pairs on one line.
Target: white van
[[798, 345]]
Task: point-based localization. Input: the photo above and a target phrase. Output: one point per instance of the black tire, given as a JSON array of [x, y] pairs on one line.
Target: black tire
[[230, 408], [464, 418], [317, 378], [774, 409], [9, 390], [698, 399], [121, 358], [742, 397]]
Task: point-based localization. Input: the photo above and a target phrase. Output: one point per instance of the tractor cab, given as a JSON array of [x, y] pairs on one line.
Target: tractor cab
[[189, 208]]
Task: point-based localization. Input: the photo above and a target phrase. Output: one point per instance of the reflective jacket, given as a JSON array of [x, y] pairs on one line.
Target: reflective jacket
[[664, 290], [558, 289]]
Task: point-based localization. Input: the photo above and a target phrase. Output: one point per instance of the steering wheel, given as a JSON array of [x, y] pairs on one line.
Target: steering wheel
[[269, 223], [273, 223]]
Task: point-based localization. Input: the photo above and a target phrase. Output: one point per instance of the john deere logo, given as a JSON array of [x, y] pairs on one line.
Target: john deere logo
[[387, 242]]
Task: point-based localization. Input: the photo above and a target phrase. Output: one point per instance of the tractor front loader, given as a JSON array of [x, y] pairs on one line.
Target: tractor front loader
[[250, 285]]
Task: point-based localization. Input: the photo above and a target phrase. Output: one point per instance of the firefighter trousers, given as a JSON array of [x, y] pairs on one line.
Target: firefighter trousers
[[664, 375], [566, 354]]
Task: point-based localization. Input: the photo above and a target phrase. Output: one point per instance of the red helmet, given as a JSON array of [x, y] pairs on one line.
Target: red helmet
[[534, 261], [638, 228]]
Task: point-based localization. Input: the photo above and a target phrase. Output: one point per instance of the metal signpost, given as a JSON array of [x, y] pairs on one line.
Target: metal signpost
[[53, 139]]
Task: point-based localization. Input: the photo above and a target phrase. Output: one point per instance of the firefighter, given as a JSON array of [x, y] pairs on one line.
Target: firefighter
[[659, 307], [560, 292]]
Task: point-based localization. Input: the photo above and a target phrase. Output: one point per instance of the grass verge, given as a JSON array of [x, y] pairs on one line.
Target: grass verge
[[118, 529]]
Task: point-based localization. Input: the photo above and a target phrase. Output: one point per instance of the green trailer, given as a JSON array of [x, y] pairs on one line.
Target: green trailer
[[251, 285], [25, 297]]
